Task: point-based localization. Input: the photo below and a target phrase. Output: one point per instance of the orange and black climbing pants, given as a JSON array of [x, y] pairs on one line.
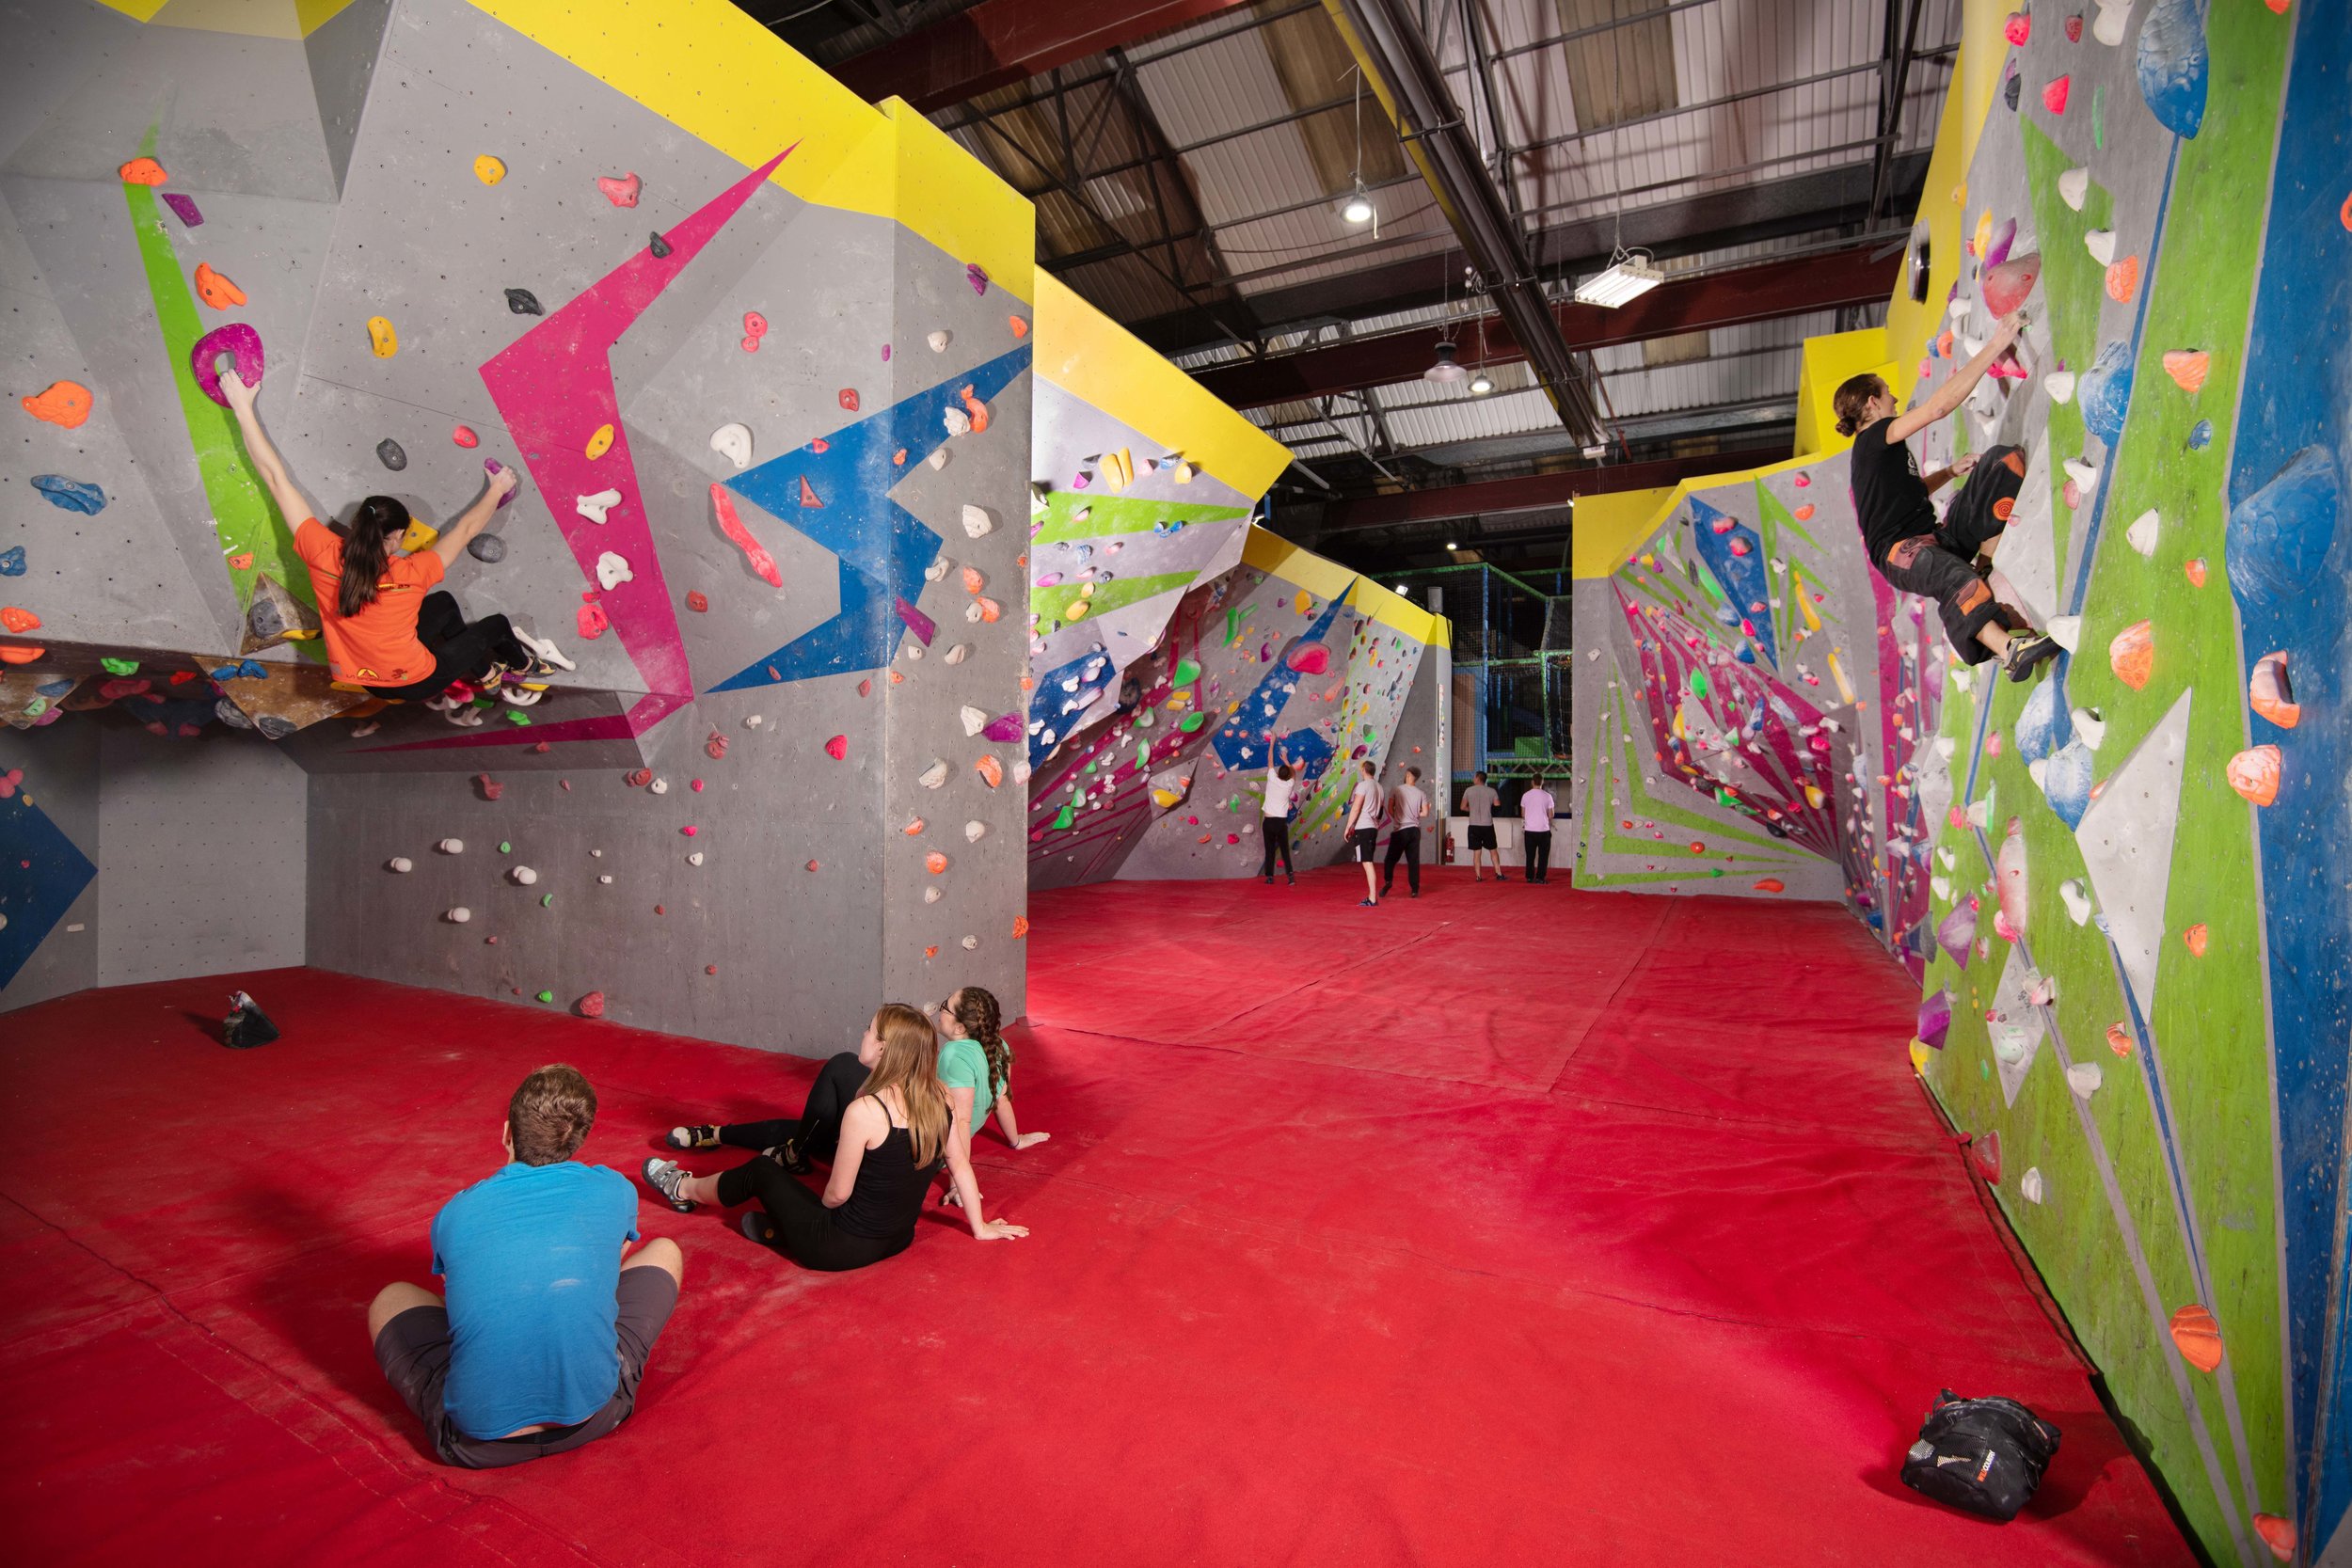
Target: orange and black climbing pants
[[1938, 565]]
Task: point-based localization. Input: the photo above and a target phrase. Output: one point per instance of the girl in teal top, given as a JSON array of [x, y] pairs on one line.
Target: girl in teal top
[[976, 1069]]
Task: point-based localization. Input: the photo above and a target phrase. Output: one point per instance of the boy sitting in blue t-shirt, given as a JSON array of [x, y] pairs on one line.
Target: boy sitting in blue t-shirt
[[544, 1338]]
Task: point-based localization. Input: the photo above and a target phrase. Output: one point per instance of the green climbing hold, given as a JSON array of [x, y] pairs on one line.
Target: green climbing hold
[[1187, 672], [504, 847], [1700, 685], [120, 666], [1066, 816], [1191, 721], [1090, 765], [547, 900], [547, 996], [515, 717], [2099, 119]]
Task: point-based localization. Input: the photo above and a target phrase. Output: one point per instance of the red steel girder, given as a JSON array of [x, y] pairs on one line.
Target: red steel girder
[[999, 42], [1760, 293], [1533, 491]]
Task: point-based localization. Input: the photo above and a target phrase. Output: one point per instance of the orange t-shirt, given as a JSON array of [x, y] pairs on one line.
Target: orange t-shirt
[[379, 645]]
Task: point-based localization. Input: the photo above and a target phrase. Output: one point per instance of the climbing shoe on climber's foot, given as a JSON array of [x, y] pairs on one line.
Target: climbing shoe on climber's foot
[[694, 1137], [668, 1178], [760, 1228], [2026, 651], [518, 695], [1982, 566], [788, 1155], [546, 656]]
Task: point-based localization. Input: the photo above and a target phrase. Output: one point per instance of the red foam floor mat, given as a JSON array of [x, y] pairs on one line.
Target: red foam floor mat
[[1501, 1224]]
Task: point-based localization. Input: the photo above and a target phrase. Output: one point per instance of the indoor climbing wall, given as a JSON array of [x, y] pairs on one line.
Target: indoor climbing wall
[[761, 355], [2136, 924], [1171, 784]]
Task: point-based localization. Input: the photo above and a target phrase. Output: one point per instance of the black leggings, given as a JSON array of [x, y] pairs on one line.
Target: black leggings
[[462, 650], [818, 1129], [1538, 854], [1278, 837], [805, 1230], [1938, 565], [1404, 844]]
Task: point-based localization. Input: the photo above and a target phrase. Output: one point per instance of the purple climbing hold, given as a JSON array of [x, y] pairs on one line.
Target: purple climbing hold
[[1935, 1018], [184, 206], [1958, 932], [1004, 729], [492, 465], [241, 343], [976, 276], [924, 628]]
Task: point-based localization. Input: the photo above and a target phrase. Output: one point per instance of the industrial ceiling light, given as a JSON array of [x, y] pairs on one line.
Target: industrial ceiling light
[[1446, 371], [1480, 383], [1629, 277], [1451, 546], [1359, 207]]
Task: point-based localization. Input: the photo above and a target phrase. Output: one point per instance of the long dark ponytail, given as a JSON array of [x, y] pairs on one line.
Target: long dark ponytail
[[976, 1009], [367, 550]]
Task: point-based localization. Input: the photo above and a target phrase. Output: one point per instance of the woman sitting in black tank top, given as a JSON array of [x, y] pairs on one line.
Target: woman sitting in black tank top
[[894, 1138]]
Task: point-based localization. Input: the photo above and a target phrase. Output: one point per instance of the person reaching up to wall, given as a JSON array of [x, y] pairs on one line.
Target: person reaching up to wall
[[892, 1138], [385, 628], [1535, 808], [1364, 809], [976, 1069], [1275, 815], [1950, 560], [1408, 807], [1478, 803]]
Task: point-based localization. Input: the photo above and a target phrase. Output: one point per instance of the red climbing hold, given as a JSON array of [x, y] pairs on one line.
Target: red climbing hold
[[621, 192], [639, 778], [849, 399], [716, 746], [465, 436], [755, 554], [808, 496], [589, 1005], [837, 748], [1987, 1152], [2017, 27], [697, 601], [593, 621], [2054, 95], [491, 788]]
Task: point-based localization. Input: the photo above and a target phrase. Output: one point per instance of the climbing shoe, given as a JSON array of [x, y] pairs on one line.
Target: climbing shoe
[[545, 657], [668, 1178], [705, 1136], [2024, 653]]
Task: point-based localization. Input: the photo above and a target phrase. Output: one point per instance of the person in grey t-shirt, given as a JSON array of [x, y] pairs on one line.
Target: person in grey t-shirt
[[1408, 809], [1479, 802]]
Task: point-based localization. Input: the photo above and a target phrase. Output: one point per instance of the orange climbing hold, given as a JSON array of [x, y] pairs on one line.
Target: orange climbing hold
[[2188, 367], [2133, 654], [2277, 1533], [1804, 514], [934, 863], [1772, 885], [2271, 695], [976, 409], [973, 580], [215, 289], [2197, 1336], [2196, 937], [2254, 773], [142, 171], [1019, 926], [19, 656], [2119, 1038], [2124, 280], [241, 562], [2194, 569], [19, 621], [1020, 327], [992, 772], [62, 403]]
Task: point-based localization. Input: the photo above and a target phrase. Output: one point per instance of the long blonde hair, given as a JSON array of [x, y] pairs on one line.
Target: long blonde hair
[[909, 1064]]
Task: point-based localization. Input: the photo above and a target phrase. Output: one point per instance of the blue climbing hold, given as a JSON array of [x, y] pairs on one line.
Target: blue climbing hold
[[72, 494], [2173, 65], [2044, 724], [2200, 436], [2106, 392], [248, 670], [12, 561], [2066, 783]]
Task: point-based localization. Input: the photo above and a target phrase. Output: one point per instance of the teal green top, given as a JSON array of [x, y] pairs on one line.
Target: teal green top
[[964, 1065]]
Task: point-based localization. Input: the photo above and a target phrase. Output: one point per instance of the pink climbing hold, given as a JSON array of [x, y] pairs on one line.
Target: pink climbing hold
[[2007, 285], [240, 343], [2054, 95], [465, 438], [621, 192], [976, 276], [491, 788], [732, 526], [690, 830], [589, 1005], [754, 328], [694, 785], [593, 621], [1308, 659], [716, 746], [492, 466], [2017, 27], [849, 399], [837, 748]]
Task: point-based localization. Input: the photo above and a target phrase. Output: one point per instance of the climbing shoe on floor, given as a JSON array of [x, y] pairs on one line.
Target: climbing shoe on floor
[[2024, 653], [694, 1137], [668, 1178]]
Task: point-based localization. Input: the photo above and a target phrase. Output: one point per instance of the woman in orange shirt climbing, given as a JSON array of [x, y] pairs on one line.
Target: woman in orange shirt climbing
[[384, 628]]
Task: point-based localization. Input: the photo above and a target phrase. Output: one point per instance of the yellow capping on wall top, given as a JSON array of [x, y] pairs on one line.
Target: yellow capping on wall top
[[1100, 362], [1828, 362], [1609, 524], [1327, 579], [708, 69], [1912, 325]]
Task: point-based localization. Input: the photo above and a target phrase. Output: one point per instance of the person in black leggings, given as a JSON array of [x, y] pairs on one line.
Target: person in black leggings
[[892, 1138], [792, 1141]]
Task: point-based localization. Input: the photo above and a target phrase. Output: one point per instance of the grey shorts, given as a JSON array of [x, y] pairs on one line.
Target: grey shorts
[[413, 1349]]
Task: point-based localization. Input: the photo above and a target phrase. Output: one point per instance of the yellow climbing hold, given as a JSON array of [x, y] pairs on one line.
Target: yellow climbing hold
[[382, 339], [418, 536], [1984, 234], [1118, 469], [601, 442], [489, 170], [1919, 1057]]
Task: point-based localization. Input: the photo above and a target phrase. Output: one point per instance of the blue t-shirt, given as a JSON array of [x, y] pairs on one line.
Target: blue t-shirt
[[532, 1261]]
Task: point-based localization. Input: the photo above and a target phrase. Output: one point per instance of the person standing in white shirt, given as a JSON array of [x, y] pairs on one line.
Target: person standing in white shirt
[[1408, 809], [1280, 781], [1363, 829], [1535, 809], [1478, 802]]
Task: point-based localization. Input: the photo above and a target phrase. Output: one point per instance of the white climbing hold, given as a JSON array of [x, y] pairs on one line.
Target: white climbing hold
[[452, 847], [977, 524], [933, 776], [459, 915], [937, 569], [2083, 1078], [2065, 630], [2073, 185], [938, 459], [930, 895], [975, 719], [958, 654], [2114, 19], [1942, 887], [939, 341], [606, 878], [911, 648], [971, 943], [734, 443], [957, 421], [595, 507], [612, 571], [1960, 310], [972, 831], [2078, 900], [1945, 745], [2142, 536], [1970, 347], [2090, 727], [401, 864], [751, 722], [2060, 385], [1021, 772], [524, 875], [2082, 472], [2029, 1184], [2100, 244], [660, 786], [694, 859]]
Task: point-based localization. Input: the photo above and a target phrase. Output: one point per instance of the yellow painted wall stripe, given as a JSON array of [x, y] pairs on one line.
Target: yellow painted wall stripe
[[1278, 557], [1096, 360], [1609, 525], [714, 73]]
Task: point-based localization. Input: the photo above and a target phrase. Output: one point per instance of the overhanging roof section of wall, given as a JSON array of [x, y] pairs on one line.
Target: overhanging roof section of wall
[[1276, 556], [710, 69], [1093, 358]]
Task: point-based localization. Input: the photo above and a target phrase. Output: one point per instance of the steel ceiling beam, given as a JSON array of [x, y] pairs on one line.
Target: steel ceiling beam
[[1526, 494], [998, 43], [1387, 42], [1765, 291]]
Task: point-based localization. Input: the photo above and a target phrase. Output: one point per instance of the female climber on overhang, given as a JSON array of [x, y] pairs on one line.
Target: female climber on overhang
[[1946, 561], [383, 630]]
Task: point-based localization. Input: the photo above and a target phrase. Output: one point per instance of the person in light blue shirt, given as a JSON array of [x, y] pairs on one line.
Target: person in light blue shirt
[[543, 1337]]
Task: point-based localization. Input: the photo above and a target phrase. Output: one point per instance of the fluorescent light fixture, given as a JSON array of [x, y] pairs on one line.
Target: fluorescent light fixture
[[1482, 384], [1451, 546], [1627, 278], [1446, 368], [1358, 208]]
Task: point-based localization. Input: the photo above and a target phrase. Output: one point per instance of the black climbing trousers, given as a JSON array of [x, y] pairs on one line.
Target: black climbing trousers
[[1538, 854], [805, 1230], [1939, 565], [462, 650], [1404, 843], [818, 1129], [1278, 840]]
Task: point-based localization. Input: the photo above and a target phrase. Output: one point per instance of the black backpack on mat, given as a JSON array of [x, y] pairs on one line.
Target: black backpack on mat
[[1985, 1456]]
